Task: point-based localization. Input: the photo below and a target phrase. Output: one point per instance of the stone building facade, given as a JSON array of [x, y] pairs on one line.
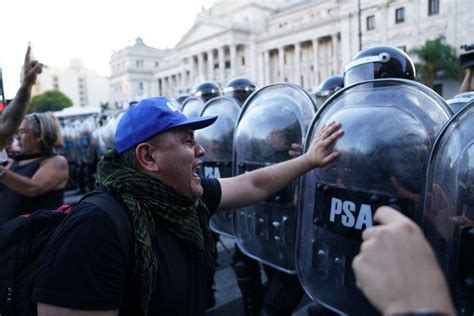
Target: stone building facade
[[302, 42], [83, 86]]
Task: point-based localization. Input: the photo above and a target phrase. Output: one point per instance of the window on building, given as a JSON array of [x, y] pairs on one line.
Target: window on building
[[370, 22], [156, 64], [227, 64], [400, 15], [433, 7], [243, 61], [140, 85]]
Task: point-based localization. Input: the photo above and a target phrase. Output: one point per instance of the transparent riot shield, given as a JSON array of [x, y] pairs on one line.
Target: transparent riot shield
[[460, 100], [389, 128], [218, 140], [271, 121], [192, 107], [448, 220]]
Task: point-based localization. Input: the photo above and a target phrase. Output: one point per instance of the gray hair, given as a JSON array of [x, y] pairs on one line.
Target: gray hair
[[43, 126], [128, 158]]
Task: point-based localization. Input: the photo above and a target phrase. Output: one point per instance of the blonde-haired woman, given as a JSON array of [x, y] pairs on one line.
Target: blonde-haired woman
[[38, 177]]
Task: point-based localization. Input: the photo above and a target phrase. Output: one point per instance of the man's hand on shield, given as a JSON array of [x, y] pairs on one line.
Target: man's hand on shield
[[320, 152], [396, 268]]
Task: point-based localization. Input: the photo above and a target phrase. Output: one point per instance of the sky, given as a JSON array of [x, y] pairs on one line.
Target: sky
[[91, 30]]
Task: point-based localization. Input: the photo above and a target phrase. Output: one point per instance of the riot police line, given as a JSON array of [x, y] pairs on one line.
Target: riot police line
[[86, 137], [402, 147]]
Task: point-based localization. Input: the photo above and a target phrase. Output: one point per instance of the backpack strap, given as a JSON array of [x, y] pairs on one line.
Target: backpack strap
[[108, 203]]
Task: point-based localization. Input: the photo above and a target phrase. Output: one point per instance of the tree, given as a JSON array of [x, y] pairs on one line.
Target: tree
[[53, 100], [437, 59]]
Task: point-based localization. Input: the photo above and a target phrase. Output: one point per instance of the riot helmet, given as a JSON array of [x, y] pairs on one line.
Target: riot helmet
[[207, 90], [379, 62], [239, 88], [327, 88], [460, 100], [181, 98], [192, 107]]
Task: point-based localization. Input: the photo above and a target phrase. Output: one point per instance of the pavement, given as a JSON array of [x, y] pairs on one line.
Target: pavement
[[227, 295]]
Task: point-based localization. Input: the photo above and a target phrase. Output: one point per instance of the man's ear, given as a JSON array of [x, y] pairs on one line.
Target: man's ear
[[147, 157]]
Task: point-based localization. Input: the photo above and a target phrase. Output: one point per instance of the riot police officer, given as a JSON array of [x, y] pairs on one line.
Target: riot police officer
[[207, 90], [448, 211], [327, 88], [390, 126], [180, 99], [271, 122], [239, 88]]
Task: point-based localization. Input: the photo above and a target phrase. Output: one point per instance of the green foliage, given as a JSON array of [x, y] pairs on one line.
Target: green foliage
[[437, 59], [53, 100]]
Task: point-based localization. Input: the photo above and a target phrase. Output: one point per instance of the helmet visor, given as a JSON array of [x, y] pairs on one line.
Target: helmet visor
[[359, 73]]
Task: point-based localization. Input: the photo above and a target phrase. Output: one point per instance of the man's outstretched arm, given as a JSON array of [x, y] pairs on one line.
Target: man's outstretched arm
[[257, 185], [14, 113]]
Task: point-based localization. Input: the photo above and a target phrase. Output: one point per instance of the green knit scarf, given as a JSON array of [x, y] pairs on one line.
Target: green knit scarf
[[151, 202]]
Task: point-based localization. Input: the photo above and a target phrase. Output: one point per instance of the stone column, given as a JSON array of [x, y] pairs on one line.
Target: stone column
[[266, 66], [159, 83], [165, 86], [316, 62], [260, 70], [253, 61], [347, 40], [281, 64], [221, 65], [335, 53], [233, 60], [200, 67], [297, 63], [183, 75], [174, 84], [210, 65], [191, 72]]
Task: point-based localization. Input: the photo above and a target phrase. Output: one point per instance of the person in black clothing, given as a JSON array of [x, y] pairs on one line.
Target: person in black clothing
[[36, 179], [152, 173]]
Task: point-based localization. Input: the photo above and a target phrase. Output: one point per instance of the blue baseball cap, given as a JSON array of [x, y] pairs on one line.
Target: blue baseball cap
[[150, 117]]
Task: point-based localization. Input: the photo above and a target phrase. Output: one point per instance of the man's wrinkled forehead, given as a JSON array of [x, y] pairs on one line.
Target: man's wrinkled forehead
[[181, 130]]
